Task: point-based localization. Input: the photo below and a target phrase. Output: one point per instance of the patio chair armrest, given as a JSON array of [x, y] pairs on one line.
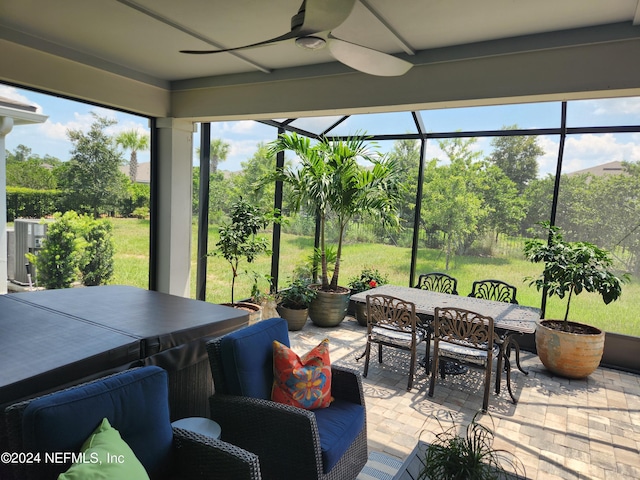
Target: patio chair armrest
[[346, 384], [198, 456], [279, 434]]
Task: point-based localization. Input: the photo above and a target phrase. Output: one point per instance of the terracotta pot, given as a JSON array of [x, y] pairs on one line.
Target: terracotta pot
[[254, 311], [328, 309], [570, 355], [296, 318]]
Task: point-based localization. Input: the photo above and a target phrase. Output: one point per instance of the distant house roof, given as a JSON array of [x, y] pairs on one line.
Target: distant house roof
[[9, 102], [143, 174], [611, 168], [21, 113]]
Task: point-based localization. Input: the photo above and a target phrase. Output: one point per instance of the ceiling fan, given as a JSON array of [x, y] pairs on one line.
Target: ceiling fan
[[311, 28]]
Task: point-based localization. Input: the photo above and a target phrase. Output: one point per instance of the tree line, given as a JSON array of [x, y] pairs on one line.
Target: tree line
[[468, 197], [90, 182]]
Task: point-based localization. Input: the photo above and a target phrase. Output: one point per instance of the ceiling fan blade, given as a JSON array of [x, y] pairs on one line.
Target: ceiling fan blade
[[317, 16], [367, 60], [314, 16], [286, 36]]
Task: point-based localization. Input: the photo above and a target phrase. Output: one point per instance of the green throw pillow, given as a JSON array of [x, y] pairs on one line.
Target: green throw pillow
[[106, 456]]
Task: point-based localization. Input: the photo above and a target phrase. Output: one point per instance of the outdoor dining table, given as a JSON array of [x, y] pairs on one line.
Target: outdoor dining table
[[509, 319]]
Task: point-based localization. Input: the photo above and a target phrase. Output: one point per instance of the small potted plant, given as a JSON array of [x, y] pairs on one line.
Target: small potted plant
[[368, 279], [293, 304], [472, 456], [571, 349]]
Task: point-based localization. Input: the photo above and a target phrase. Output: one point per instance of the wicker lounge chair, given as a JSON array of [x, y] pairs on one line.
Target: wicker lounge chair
[[291, 442], [135, 402]]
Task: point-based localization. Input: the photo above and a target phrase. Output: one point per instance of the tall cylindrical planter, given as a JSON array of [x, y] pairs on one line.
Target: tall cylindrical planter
[[570, 355], [328, 309]]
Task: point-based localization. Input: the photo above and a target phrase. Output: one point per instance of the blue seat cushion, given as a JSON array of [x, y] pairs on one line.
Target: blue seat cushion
[[247, 357], [135, 403], [338, 427]]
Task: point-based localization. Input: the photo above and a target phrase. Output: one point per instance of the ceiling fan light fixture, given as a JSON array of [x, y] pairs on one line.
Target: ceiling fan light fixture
[[311, 43]]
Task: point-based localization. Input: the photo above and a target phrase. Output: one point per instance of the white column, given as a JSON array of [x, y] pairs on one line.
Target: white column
[[175, 162], [6, 124]]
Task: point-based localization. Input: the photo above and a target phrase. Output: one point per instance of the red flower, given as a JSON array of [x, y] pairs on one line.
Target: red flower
[[373, 284]]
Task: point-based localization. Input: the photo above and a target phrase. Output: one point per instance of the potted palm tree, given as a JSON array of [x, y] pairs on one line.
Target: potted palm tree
[[330, 181], [567, 348], [293, 304]]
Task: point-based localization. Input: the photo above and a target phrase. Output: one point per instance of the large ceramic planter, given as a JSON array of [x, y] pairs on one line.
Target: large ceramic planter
[[296, 318], [361, 313], [328, 309], [254, 311], [570, 355]]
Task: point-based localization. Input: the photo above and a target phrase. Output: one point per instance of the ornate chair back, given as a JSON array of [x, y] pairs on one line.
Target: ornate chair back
[[466, 337], [494, 290], [392, 322], [438, 282]]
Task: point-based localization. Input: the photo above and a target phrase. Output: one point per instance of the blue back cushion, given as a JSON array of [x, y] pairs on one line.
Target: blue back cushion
[[247, 357], [338, 427], [135, 402]]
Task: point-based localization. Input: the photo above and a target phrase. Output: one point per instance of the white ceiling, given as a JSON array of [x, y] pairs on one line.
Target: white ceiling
[[116, 36], [141, 39]]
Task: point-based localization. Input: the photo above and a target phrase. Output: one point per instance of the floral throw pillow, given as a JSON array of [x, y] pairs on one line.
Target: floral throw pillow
[[305, 381]]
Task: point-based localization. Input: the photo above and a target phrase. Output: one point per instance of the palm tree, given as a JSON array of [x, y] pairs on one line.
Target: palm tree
[[329, 180], [134, 141], [219, 151]]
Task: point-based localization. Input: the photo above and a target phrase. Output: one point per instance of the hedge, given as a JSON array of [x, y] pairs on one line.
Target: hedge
[[29, 203]]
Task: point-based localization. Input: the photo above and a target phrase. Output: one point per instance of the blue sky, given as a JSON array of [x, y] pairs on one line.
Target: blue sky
[[582, 151]]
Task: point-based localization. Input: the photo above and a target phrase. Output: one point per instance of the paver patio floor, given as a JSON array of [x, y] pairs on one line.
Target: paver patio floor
[[560, 428]]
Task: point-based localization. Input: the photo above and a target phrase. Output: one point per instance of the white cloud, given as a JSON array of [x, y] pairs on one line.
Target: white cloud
[[547, 162], [241, 127], [617, 106], [588, 150], [58, 130], [244, 126], [244, 148], [127, 126]]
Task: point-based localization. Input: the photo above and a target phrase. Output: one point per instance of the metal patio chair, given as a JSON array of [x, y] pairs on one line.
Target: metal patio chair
[[466, 337], [438, 282], [392, 322]]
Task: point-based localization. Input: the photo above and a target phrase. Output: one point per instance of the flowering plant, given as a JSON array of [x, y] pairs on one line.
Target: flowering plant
[[368, 279]]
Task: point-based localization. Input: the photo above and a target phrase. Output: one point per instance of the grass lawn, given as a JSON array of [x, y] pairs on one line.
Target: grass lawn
[[132, 268]]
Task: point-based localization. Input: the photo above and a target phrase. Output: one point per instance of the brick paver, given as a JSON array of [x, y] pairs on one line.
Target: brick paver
[[560, 428]]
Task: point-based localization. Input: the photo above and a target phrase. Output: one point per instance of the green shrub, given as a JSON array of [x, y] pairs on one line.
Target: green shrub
[[96, 264], [137, 198], [141, 212], [75, 245], [28, 203], [57, 262]]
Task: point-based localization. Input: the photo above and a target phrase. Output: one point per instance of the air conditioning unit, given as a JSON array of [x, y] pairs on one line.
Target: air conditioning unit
[[29, 235], [11, 253]]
